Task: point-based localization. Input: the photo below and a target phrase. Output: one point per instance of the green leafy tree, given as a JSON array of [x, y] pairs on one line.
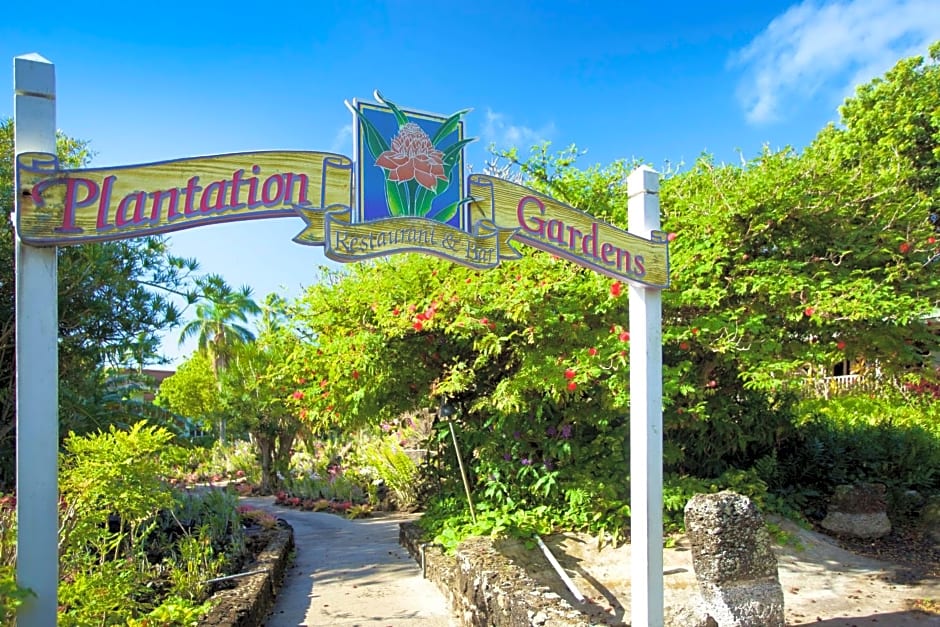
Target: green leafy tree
[[114, 304], [539, 379], [260, 397], [797, 261], [219, 325], [192, 390]]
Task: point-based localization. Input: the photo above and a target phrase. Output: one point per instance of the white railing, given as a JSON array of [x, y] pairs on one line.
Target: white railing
[[827, 387]]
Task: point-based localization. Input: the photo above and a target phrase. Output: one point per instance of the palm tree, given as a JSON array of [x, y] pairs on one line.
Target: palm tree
[[219, 325]]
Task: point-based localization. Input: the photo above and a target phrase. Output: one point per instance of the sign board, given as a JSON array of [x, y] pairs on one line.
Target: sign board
[[405, 190]]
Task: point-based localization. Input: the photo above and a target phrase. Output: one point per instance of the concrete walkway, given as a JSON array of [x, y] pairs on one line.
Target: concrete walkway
[[351, 572]]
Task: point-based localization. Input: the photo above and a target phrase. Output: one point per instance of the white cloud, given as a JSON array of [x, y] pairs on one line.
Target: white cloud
[[342, 141], [830, 47], [499, 131]]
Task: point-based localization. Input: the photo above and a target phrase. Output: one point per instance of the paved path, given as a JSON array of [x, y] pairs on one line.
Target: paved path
[[351, 572]]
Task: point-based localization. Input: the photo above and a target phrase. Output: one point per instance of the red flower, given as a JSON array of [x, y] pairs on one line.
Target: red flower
[[355, 374], [592, 351], [569, 373], [840, 345], [572, 386], [624, 336], [413, 156], [809, 311], [418, 325], [904, 247], [931, 240], [684, 346], [298, 394], [615, 289]]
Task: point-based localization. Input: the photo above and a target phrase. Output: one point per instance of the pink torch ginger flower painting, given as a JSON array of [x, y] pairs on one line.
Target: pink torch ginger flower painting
[[413, 156], [418, 170]]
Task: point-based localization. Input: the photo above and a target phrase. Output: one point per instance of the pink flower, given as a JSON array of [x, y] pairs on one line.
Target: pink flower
[[413, 156]]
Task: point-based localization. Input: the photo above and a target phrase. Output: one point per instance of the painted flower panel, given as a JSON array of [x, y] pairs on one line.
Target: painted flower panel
[[411, 164]]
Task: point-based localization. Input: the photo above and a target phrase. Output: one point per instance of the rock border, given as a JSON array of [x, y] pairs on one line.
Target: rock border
[[484, 588], [247, 603]]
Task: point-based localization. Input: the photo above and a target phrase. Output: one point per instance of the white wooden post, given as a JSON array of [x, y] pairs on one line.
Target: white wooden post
[[646, 416], [37, 385]]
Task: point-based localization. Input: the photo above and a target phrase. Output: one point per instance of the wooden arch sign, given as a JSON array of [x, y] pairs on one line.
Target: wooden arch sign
[[404, 190]]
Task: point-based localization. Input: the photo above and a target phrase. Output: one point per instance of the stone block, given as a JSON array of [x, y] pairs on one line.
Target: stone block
[[858, 510], [734, 561], [729, 539]]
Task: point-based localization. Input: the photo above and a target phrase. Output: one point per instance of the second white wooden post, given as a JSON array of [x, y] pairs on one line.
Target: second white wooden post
[[646, 416]]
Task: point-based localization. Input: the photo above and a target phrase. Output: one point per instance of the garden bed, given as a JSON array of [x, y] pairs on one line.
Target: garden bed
[[245, 601]]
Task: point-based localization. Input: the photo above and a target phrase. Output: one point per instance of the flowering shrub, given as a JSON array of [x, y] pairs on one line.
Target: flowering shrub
[[535, 353]]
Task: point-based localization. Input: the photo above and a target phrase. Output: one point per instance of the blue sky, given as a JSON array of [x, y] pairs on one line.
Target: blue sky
[[663, 82]]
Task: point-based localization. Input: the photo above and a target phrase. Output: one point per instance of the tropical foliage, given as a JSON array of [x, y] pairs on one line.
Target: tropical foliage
[[133, 549], [220, 327]]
